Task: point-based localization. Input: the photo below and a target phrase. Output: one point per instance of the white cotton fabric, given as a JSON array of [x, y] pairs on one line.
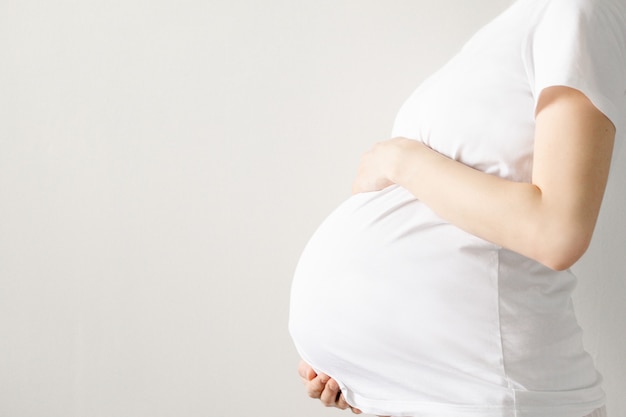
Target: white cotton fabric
[[415, 317], [599, 412]]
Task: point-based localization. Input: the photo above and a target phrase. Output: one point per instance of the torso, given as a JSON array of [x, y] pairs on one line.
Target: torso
[[407, 311]]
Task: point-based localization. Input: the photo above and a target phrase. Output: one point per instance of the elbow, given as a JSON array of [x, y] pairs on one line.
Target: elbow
[[561, 251], [561, 262]]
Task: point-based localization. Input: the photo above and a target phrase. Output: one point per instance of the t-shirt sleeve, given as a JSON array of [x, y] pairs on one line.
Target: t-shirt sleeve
[[582, 44]]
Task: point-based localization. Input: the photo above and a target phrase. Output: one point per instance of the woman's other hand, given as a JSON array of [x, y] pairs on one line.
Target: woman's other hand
[[322, 387], [377, 166]]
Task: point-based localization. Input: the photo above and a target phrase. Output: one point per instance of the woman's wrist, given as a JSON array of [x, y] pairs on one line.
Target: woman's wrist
[[404, 160]]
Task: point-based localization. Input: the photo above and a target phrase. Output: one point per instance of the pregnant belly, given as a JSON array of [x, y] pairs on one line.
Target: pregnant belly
[[386, 294]]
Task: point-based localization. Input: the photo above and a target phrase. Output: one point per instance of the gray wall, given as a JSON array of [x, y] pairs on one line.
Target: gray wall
[[162, 164]]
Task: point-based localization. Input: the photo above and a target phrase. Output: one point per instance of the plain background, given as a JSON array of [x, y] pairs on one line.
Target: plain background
[[163, 163]]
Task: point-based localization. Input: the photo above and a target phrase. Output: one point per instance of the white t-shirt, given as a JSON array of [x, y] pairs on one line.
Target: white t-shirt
[[415, 317]]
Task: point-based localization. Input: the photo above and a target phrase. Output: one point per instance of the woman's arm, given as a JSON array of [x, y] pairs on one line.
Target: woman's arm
[[551, 219]]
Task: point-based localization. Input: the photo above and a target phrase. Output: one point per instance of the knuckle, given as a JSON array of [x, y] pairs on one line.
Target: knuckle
[[326, 402], [313, 393]]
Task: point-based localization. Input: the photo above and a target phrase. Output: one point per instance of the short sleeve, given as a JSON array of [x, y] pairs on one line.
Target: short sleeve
[[581, 44]]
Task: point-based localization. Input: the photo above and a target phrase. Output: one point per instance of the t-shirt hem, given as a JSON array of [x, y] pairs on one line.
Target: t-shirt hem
[[432, 409]]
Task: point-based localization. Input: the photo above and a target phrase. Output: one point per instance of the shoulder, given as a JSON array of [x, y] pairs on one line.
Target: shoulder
[[581, 44]]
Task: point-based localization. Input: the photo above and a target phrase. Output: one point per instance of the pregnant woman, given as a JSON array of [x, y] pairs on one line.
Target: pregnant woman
[[441, 287]]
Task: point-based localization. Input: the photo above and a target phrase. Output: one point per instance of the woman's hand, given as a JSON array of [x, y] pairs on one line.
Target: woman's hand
[[377, 166], [323, 387]]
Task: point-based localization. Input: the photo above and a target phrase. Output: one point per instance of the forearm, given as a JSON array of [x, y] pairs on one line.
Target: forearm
[[510, 214]]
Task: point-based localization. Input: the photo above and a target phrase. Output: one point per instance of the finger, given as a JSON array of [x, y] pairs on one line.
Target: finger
[[305, 371], [316, 386], [343, 404], [302, 369], [331, 394]]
